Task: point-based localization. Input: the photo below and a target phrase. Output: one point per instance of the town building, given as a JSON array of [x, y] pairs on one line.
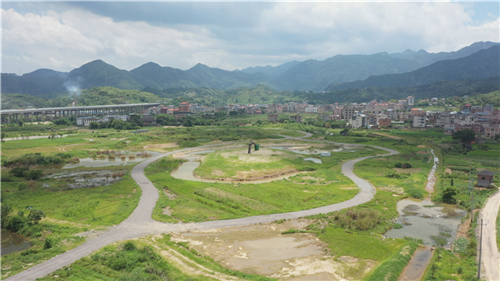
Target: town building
[[485, 178], [273, 118]]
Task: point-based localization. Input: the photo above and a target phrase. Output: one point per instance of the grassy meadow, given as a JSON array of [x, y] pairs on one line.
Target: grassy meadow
[[322, 185]]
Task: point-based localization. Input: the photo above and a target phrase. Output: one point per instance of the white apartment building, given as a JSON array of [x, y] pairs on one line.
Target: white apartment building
[[419, 121]]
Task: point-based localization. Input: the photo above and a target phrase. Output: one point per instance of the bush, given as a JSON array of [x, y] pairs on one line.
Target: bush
[[22, 186], [394, 175], [129, 246], [19, 172], [36, 216], [16, 223], [358, 219], [34, 175], [48, 243]]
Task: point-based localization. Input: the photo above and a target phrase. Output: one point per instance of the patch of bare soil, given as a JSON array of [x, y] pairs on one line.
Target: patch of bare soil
[[410, 171], [423, 152], [253, 175], [421, 146], [218, 173], [448, 170], [52, 220], [464, 227], [393, 189], [388, 136], [167, 211], [160, 145], [261, 156], [189, 267], [169, 194], [263, 250]]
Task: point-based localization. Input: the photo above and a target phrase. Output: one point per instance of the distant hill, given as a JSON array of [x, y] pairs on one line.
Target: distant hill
[[317, 75], [482, 64], [337, 72], [271, 71], [439, 89]]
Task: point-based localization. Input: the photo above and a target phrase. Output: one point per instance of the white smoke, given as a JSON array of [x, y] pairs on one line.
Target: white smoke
[[73, 86]]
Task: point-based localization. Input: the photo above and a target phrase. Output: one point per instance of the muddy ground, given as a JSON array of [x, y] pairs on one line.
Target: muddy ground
[[263, 250]]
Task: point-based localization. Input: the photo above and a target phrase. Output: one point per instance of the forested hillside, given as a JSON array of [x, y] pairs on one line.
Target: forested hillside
[[393, 70]]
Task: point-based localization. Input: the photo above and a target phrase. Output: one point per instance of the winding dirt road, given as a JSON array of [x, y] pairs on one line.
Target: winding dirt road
[[490, 256], [140, 223]]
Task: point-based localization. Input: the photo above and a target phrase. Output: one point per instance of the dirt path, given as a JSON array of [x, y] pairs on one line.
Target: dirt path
[[431, 179], [490, 256], [140, 223], [388, 136]]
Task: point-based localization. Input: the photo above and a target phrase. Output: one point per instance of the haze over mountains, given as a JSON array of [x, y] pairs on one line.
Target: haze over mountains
[[409, 68]]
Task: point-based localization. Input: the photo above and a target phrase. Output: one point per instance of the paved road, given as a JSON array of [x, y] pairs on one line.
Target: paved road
[[490, 256], [140, 223]]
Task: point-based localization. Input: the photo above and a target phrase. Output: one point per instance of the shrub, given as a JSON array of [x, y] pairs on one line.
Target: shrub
[[48, 243], [19, 171], [36, 216], [22, 186], [358, 219], [129, 246], [34, 175], [16, 223]]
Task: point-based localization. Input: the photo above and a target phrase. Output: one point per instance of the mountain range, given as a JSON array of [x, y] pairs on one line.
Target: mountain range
[[409, 68]]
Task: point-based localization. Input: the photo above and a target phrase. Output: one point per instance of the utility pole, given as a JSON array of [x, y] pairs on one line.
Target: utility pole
[[471, 194], [480, 251]]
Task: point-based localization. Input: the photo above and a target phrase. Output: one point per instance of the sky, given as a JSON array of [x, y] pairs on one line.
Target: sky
[[231, 35]]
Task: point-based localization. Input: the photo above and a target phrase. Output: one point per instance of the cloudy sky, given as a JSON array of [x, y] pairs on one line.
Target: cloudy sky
[[231, 35]]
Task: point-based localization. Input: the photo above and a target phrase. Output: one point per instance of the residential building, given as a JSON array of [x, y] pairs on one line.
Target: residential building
[[419, 121], [185, 107], [384, 122], [273, 118]]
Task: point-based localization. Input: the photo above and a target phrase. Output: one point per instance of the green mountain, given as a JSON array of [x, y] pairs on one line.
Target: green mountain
[[482, 64], [271, 71], [98, 73], [439, 89], [317, 75], [308, 75]]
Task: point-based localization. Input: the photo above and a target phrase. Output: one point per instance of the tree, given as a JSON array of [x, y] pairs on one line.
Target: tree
[[449, 195], [6, 210], [93, 125], [464, 136], [36, 215], [4, 135]]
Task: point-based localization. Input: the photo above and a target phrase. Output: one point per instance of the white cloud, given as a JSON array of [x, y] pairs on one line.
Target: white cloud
[[64, 39]]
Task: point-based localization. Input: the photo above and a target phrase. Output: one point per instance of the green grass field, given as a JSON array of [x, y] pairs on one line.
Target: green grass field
[[199, 201]]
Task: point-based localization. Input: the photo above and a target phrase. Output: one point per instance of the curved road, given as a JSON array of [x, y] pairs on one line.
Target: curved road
[[490, 256], [140, 223]]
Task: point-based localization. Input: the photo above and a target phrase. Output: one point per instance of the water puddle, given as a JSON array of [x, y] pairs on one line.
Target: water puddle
[[13, 242], [279, 248], [434, 224], [112, 158], [315, 160], [417, 265], [88, 178]]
